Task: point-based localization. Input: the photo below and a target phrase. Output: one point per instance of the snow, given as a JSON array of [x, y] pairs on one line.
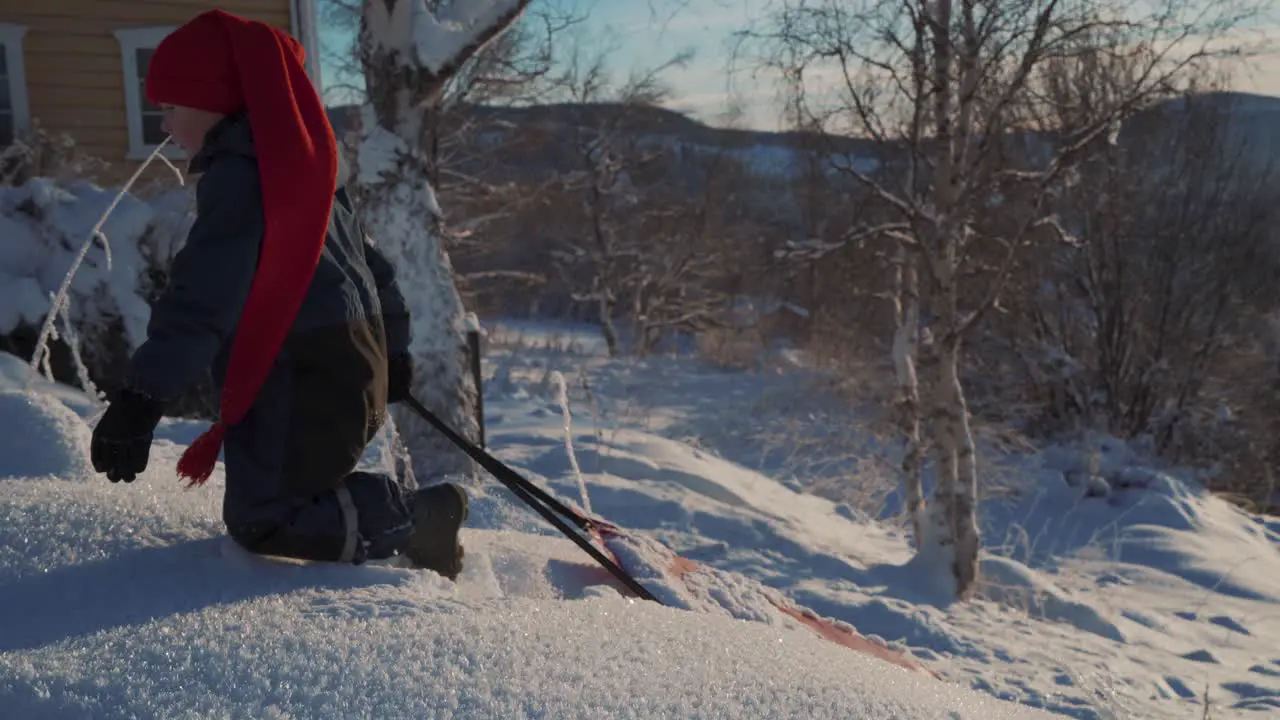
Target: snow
[[379, 151], [774, 160], [34, 420], [126, 602], [1123, 599], [1103, 581], [562, 399], [436, 39], [394, 214], [44, 226]]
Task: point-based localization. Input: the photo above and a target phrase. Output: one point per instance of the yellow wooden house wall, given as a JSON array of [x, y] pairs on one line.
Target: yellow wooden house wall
[[74, 63]]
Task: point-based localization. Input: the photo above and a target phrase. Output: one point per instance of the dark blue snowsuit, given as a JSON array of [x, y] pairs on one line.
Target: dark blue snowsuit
[[290, 485]]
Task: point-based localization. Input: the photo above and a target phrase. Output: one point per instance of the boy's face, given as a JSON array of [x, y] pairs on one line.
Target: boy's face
[[188, 126]]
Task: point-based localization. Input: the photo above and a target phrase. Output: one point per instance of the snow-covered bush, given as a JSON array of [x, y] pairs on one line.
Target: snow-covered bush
[[40, 153], [44, 222]]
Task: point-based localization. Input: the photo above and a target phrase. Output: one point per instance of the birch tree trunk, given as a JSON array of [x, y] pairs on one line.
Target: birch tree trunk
[[950, 521], [949, 529], [951, 525], [604, 308], [408, 54], [906, 346]]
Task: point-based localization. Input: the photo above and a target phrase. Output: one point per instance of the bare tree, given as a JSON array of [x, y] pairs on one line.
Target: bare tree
[[513, 68], [1173, 262], [506, 70], [696, 245], [958, 94], [598, 250], [409, 55]]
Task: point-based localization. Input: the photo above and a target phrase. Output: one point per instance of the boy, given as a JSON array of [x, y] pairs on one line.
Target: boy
[[277, 291]]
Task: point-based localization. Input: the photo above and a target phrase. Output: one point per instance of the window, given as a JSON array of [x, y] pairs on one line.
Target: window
[[6, 103], [136, 46], [14, 113]]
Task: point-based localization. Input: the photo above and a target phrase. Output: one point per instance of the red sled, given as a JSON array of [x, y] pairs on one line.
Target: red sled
[[648, 569], [680, 582]]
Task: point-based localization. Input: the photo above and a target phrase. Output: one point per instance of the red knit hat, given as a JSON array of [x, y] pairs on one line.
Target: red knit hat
[[224, 63]]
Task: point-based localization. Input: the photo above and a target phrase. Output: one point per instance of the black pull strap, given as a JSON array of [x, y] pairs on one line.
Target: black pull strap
[[533, 496]]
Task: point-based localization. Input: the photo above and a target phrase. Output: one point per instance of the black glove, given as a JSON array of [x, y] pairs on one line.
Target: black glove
[[399, 377], [122, 439]]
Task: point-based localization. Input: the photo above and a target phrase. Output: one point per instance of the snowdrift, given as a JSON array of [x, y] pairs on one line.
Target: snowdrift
[[126, 601], [1116, 591], [60, 435], [1125, 594]]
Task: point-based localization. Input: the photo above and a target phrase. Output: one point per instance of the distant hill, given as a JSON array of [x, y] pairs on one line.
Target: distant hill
[[1252, 121], [648, 120], [768, 151]]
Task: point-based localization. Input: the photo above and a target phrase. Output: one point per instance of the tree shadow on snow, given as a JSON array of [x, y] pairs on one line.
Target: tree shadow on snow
[[138, 586]]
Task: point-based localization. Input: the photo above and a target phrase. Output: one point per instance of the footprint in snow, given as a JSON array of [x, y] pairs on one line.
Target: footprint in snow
[[1229, 624], [1202, 656], [1264, 704], [1220, 620], [1180, 688], [1142, 619], [478, 579], [1247, 690]]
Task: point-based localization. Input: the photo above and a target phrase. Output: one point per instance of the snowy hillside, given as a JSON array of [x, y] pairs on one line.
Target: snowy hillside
[[1250, 125], [1250, 122], [1123, 594], [1126, 593], [124, 601]]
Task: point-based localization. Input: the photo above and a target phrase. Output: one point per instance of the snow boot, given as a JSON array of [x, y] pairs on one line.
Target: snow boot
[[438, 514]]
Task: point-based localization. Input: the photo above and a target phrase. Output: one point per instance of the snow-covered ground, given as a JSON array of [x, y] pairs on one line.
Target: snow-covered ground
[[1125, 595], [1113, 588]]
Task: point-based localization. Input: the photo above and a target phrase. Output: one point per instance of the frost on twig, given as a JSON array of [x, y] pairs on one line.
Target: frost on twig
[[562, 399], [40, 360]]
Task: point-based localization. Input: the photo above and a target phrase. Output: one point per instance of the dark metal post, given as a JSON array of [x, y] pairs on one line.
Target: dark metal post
[[473, 343]]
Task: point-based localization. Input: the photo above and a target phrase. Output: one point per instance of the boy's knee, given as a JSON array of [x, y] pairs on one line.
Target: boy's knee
[[302, 535], [251, 536]]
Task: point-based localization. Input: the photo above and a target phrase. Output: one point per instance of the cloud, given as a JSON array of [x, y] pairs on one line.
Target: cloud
[[1259, 70]]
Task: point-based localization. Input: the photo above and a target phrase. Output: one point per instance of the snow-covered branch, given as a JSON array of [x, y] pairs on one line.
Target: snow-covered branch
[[439, 43]]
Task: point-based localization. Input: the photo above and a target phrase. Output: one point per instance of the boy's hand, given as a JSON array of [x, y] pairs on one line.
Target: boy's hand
[[121, 443], [399, 377]]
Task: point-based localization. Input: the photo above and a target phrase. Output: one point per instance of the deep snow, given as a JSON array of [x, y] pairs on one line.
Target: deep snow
[[125, 601], [1118, 599], [1124, 592]]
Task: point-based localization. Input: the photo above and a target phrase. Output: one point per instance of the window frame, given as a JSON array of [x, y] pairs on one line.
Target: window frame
[[131, 41], [11, 36]]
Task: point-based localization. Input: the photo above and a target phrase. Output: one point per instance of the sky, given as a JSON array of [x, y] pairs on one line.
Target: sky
[[646, 33]]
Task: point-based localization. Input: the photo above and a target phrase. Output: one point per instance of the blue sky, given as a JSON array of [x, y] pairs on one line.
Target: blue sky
[[649, 32], [644, 33]]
